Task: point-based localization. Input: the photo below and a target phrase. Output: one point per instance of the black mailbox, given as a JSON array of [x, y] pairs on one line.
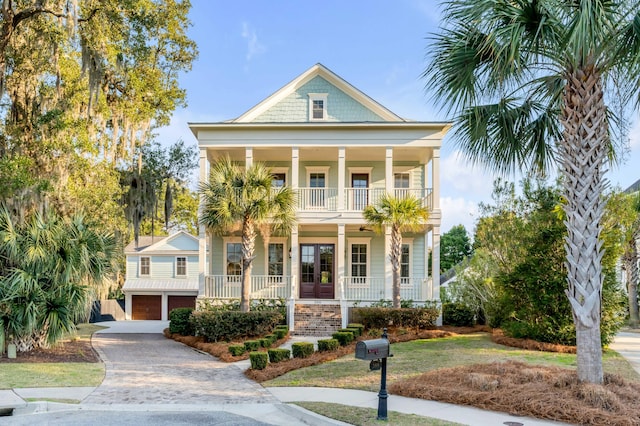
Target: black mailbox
[[372, 349]]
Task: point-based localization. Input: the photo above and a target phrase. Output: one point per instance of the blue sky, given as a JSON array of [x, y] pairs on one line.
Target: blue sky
[[249, 49]]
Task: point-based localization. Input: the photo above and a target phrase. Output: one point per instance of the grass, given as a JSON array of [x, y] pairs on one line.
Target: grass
[[360, 416], [420, 356], [43, 375], [84, 331]]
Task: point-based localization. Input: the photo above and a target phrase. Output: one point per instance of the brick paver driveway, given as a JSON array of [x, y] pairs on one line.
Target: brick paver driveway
[[149, 368]]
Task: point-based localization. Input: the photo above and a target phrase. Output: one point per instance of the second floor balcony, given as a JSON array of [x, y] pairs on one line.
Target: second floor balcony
[[354, 199]]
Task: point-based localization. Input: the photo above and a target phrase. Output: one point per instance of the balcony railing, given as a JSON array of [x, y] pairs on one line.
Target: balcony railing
[[355, 199], [262, 286], [371, 289]]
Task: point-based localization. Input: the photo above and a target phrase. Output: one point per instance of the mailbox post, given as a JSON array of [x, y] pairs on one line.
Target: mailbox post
[[377, 350]]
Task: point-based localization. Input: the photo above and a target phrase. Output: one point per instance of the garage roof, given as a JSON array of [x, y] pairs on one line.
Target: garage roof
[[163, 285]]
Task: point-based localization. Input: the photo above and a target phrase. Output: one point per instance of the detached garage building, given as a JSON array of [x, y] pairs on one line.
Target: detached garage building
[[162, 274]]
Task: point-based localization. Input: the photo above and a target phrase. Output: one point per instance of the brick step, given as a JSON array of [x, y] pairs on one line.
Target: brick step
[[317, 320]]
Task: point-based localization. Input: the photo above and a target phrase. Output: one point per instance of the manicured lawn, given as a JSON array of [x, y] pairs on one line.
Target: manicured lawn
[[359, 416], [419, 356], [42, 375]]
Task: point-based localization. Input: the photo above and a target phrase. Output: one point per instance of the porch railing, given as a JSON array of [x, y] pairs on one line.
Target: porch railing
[[318, 199], [356, 199], [372, 289], [262, 286]]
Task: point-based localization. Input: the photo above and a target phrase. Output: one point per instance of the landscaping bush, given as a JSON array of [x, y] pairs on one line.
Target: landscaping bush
[[265, 342], [457, 314], [360, 327], [237, 350], [325, 345], [302, 349], [344, 337], [272, 338], [252, 345], [280, 333], [258, 360], [229, 325], [419, 318], [349, 330], [277, 355], [180, 321], [282, 327]]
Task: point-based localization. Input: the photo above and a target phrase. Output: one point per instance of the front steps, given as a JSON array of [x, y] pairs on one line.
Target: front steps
[[316, 319]]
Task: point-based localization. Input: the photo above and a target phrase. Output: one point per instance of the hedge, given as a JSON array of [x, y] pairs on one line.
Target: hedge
[[237, 350], [302, 349], [180, 321], [280, 333], [372, 317], [457, 314], [344, 337], [258, 360], [232, 325], [326, 345], [252, 345], [277, 355]]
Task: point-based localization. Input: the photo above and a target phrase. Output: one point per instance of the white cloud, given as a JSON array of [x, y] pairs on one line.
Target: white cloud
[[254, 47], [456, 211]]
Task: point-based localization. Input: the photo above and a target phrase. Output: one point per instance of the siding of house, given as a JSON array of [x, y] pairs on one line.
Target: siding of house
[[162, 267], [295, 107]]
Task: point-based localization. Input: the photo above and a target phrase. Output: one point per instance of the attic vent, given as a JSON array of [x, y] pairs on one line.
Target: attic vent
[[317, 106]]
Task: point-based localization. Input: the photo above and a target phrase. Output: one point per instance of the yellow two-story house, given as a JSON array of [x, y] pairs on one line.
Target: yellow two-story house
[[339, 150]]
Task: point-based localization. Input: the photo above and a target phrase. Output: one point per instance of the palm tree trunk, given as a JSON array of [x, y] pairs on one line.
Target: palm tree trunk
[[583, 153], [248, 250], [396, 253], [632, 282]]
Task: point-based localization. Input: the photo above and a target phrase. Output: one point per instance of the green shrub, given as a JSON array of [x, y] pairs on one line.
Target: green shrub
[[252, 345], [417, 318], [360, 327], [258, 360], [229, 325], [272, 338], [180, 321], [282, 327], [325, 345], [302, 349], [277, 355], [344, 337], [349, 330], [457, 314], [237, 350], [265, 342], [280, 333]]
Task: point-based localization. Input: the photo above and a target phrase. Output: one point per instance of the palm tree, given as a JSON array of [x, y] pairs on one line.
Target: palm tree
[[401, 214], [525, 81], [49, 271], [236, 198], [630, 262]]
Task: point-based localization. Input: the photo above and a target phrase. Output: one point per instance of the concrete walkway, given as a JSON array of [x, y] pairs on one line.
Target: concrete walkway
[[146, 372]]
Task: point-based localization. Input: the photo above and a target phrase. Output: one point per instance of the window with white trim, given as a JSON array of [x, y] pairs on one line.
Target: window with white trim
[[405, 263], [145, 266], [317, 106], [181, 266], [276, 259], [233, 255], [359, 264]]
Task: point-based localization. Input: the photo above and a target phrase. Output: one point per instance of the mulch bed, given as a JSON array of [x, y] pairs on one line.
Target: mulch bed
[[78, 350], [521, 389], [497, 336]]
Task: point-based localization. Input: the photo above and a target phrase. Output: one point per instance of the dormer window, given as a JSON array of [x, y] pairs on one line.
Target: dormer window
[[317, 106]]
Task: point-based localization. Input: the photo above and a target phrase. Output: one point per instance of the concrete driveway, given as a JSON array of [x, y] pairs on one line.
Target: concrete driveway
[[144, 367]]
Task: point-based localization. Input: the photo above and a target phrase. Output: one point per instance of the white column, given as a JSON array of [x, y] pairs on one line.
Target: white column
[[295, 167], [340, 269], [435, 263], [388, 170], [426, 292], [388, 270], [128, 303], [435, 179], [248, 157], [341, 177], [295, 273], [202, 235], [164, 315]]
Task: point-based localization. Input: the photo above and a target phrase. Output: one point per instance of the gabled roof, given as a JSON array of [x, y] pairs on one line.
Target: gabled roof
[[147, 243], [331, 77]]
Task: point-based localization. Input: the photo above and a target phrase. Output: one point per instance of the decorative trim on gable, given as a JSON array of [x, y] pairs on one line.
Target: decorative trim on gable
[[331, 77]]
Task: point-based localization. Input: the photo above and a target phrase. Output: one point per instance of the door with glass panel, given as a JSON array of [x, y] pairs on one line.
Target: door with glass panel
[[317, 271], [317, 193], [360, 185]]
